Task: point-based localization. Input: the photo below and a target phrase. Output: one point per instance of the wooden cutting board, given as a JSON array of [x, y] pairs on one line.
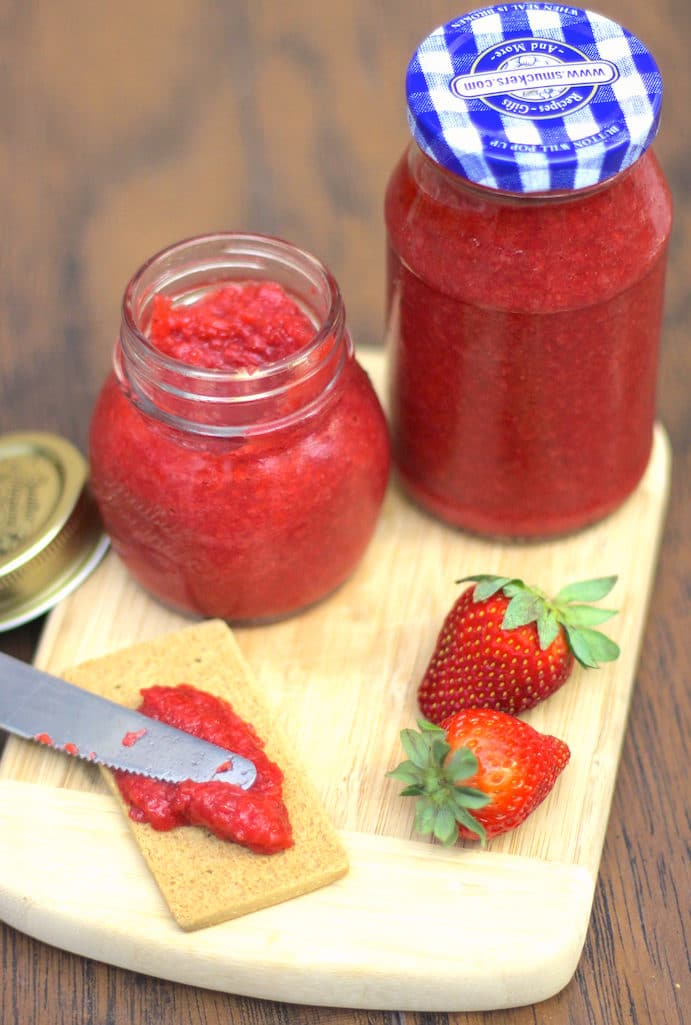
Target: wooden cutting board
[[343, 678]]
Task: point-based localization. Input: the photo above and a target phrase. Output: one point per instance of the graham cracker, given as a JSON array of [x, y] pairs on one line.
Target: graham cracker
[[205, 880]]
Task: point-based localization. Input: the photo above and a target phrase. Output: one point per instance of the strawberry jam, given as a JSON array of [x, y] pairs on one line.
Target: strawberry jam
[[235, 327], [528, 225], [239, 454], [256, 818]]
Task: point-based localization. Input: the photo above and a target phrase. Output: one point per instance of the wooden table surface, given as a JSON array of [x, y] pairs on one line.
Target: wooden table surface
[[128, 126]]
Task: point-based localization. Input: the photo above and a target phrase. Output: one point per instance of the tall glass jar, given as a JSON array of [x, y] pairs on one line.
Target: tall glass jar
[[528, 224], [244, 494]]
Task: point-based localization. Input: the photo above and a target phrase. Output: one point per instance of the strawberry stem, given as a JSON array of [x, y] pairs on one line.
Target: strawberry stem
[[433, 775], [568, 610]]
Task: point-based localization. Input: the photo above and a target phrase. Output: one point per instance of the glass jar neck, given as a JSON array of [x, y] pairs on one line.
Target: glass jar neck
[[434, 179], [232, 403]]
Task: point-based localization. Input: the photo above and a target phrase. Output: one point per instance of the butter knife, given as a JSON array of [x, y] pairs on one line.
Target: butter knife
[[44, 708]]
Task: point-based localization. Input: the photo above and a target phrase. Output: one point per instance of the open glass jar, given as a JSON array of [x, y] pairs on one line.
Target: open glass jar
[[527, 224], [239, 493]]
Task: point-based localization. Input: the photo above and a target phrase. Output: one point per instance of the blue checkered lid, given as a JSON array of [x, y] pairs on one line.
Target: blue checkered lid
[[533, 97]]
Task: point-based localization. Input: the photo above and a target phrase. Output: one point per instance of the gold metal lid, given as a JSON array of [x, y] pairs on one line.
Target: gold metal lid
[[51, 536]]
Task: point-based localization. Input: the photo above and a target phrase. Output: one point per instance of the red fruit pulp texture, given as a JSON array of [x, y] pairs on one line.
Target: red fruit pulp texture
[[517, 765], [524, 337], [235, 327], [256, 818], [240, 528]]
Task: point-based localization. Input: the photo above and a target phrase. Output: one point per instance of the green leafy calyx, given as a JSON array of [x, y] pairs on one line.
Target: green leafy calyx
[[433, 773], [569, 609]]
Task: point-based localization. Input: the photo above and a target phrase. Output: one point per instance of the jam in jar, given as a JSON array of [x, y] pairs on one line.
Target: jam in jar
[[527, 227], [239, 455]]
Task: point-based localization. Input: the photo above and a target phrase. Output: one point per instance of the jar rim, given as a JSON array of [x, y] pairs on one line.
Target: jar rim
[[257, 244], [523, 199], [231, 402]]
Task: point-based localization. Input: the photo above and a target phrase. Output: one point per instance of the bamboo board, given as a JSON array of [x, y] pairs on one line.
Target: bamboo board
[[342, 678]]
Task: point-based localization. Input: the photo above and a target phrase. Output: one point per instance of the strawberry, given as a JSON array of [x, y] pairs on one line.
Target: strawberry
[[479, 774], [508, 646]]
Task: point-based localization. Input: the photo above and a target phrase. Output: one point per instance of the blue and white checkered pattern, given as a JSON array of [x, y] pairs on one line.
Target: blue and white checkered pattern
[[490, 97]]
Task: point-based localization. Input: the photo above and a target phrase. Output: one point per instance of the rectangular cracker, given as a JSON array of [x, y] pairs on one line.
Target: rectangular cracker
[[205, 880]]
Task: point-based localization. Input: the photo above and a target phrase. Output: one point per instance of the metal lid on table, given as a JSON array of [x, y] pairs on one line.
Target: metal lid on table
[[51, 536]]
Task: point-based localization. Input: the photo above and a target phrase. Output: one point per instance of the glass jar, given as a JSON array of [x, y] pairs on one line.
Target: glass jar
[[527, 226], [243, 494]]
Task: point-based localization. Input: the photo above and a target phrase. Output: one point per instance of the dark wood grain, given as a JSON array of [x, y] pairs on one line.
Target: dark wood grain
[[127, 126]]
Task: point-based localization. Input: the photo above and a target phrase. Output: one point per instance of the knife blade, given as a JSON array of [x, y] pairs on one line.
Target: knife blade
[[49, 710]]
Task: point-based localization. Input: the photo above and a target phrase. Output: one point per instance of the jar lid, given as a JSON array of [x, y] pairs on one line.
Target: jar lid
[[51, 536], [533, 97]]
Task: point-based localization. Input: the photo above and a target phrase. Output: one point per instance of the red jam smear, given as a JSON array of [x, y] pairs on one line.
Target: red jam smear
[[249, 528], [235, 327], [131, 738], [256, 818], [524, 336]]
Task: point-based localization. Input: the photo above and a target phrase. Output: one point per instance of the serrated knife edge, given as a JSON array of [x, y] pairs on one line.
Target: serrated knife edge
[[35, 704]]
